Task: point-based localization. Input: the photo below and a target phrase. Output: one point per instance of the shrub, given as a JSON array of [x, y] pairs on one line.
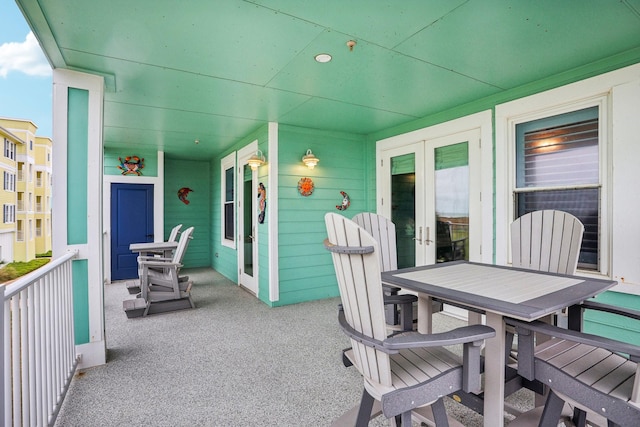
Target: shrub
[[17, 269], [7, 273]]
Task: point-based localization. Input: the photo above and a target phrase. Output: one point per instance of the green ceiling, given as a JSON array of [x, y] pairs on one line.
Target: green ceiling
[[217, 70]]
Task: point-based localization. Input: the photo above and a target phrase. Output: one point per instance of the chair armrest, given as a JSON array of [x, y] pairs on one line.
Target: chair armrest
[[622, 311], [465, 334], [153, 258], [160, 264], [355, 335], [579, 337]]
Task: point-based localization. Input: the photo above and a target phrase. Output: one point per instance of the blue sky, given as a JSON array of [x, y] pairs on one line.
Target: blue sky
[[25, 74]]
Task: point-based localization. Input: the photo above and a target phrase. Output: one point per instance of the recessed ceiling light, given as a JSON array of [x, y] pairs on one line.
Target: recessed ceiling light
[[323, 57]]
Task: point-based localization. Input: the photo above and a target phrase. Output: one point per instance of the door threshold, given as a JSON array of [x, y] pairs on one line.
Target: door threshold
[[244, 288]]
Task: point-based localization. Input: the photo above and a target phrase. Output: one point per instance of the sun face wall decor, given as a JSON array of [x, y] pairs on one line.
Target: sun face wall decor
[[305, 186]]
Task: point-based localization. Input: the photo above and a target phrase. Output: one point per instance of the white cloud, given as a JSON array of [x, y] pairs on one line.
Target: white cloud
[[25, 57]]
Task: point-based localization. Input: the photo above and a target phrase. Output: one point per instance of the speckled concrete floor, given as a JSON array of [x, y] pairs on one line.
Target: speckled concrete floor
[[230, 361]]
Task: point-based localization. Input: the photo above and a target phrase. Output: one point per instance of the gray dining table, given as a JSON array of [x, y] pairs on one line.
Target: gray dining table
[[498, 292]]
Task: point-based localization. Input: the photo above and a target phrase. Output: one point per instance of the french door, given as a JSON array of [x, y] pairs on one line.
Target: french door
[[431, 190], [247, 220]]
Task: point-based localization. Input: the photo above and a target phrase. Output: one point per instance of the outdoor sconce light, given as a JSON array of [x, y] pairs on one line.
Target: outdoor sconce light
[[256, 160], [310, 160]]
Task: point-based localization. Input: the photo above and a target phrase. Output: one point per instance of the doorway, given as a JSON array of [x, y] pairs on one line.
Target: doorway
[[427, 189], [131, 222], [247, 220]]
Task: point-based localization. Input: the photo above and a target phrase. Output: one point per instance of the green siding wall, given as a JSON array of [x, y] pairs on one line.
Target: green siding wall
[[197, 176], [306, 270], [612, 326], [80, 273], [77, 154], [111, 162]]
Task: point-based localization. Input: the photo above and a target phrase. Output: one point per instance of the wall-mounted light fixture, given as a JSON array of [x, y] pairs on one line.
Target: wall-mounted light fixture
[[256, 160], [310, 160]]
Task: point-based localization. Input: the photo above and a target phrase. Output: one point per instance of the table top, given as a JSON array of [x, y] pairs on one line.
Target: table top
[[514, 292], [147, 246]]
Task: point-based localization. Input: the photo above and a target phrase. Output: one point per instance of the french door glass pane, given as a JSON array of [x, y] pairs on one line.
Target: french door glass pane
[[247, 204], [451, 182], [403, 207]]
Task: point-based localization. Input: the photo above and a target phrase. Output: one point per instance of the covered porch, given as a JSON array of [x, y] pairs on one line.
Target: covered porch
[[231, 361], [197, 92]]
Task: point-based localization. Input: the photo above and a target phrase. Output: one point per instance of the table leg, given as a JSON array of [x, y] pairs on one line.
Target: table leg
[[425, 313], [494, 373]]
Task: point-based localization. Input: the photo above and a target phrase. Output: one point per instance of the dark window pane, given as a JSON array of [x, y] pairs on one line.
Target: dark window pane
[[582, 203], [228, 221], [228, 180]]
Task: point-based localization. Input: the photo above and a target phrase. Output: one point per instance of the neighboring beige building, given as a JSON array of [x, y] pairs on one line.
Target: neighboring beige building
[[28, 158], [42, 193]]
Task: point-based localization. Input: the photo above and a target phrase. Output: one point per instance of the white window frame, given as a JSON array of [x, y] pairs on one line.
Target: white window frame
[[227, 162], [596, 91], [9, 213]]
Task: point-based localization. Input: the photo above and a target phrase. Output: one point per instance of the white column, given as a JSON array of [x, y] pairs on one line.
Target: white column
[[88, 274]]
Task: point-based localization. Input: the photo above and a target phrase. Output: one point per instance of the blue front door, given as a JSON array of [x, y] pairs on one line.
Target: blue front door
[[131, 222]]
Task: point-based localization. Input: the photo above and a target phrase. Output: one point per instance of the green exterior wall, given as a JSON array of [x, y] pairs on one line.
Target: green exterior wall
[[305, 267], [80, 273], [77, 230], [111, 162], [197, 176], [77, 154], [612, 326]]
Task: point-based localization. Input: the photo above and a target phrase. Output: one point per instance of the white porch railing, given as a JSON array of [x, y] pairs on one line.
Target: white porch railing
[[39, 357]]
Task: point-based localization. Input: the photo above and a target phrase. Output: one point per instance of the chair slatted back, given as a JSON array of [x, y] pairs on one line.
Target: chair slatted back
[[361, 294], [384, 231], [174, 233], [547, 240], [183, 243]]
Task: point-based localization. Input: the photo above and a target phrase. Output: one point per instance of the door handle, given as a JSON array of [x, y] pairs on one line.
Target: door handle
[[419, 238], [428, 240]]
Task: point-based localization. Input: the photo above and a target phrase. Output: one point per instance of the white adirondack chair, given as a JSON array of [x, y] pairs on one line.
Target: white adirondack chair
[[133, 286], [405, 371], [384, 231], [174, 233], [546, 240], [597, 375], [160, 280]]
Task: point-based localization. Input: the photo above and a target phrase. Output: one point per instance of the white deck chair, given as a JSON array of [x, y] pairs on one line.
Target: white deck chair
[[545, 240], [160, 279], [133, 286], [405, 371], [384, 231], [174, 233]]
